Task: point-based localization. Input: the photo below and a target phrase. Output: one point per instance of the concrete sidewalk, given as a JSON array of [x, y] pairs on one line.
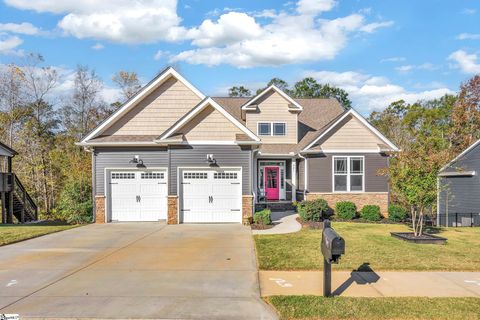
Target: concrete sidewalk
[[372, 284]]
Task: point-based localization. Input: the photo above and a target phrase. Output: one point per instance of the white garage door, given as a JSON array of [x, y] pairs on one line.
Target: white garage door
[[138, 195], [211, 196]]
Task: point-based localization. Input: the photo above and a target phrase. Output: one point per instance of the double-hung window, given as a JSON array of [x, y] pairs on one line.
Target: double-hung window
[[348, 174], [264, 129], [272, 129]]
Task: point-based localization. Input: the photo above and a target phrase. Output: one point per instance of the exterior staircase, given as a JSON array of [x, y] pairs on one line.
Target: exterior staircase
[[16, 202]]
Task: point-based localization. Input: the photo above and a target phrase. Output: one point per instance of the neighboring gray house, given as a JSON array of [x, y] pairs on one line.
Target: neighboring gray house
[[458, 199], [172, 153]]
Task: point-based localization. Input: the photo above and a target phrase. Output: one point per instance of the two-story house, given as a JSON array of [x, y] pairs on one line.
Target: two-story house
[[171, 153]]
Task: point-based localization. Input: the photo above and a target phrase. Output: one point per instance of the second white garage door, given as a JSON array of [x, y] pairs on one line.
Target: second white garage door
[[211, 196]]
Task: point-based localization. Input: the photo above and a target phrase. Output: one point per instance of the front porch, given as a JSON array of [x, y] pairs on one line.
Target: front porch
[[275, 183]]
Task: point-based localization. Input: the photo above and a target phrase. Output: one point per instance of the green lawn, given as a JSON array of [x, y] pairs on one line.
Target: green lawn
[[15, 233], [371, 243], [314, 307]]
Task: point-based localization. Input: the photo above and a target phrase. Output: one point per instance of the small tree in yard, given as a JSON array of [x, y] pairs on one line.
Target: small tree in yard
[[415, 179]]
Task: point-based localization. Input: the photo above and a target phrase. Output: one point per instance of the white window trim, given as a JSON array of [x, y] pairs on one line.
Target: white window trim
[[348, 173], [271, 129], [258, 129]]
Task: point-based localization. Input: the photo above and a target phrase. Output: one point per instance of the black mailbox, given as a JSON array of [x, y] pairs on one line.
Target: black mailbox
[[333, 246]]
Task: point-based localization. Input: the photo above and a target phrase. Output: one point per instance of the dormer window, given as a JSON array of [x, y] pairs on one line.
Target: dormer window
[[272, 129], [264, 129], [279, 129]]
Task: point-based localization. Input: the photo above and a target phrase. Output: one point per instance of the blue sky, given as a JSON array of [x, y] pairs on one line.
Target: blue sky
[[379, 51]]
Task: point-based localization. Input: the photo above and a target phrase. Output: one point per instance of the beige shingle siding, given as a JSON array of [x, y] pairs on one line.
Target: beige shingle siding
[[352, 134], [158, 111], [210, 124], [274, 108]]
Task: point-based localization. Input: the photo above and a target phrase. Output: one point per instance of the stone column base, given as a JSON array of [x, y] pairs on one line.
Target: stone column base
[[100, 209], [172, 215], [360, 199], [247, 209]]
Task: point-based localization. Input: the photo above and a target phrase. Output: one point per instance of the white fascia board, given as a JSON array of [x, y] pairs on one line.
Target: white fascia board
[[169, 72], [464, 152], [206, 102], [116, 144], [280, 92], [363, 121]]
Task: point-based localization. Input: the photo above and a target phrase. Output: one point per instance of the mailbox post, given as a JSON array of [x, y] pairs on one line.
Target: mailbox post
[[332, 246]]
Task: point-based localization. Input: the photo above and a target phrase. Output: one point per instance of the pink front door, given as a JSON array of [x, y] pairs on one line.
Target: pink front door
[[272, 188]]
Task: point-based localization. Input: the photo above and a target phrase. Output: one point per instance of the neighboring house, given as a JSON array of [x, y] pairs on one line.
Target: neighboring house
[[458, 201], [15, 200], [172, 153]]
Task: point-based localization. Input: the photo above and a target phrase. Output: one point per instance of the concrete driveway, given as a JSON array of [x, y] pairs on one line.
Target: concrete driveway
[[134, 270]]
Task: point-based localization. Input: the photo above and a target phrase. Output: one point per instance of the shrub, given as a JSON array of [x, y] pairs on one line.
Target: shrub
[[75, 203], [396, 213], [315, 210], [346, 210], [371, 213], [263, 217]]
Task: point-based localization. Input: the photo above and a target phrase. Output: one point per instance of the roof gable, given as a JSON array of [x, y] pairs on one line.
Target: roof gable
[[209, 125], [341, 121], [461, 155], [208, 102], [250, 104], [128, 106]]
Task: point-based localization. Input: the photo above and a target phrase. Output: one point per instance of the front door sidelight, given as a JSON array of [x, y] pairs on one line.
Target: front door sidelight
[[272, 187]]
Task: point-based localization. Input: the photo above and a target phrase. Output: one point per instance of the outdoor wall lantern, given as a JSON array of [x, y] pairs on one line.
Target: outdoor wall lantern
[[139, 162], [211, 160]]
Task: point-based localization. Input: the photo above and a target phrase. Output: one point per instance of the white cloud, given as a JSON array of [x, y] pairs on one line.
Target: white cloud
[[468, 36], [159, 55], [370, 93], [98, 46], [123, 21], [405, 68], [7, 45], [424, 66], [469, 11], [287, 38], [20, 28], [467, 63], [314, 7], [393, 59], [371, 27], [230, 28]]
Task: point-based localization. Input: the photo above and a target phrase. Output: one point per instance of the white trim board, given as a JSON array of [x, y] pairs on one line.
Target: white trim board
[[363, 121], [162, 77], [196, 110], [280, 92]]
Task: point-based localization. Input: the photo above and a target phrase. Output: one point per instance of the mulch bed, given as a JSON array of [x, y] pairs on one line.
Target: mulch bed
[[261, 226], [310, 224], [425, 238]]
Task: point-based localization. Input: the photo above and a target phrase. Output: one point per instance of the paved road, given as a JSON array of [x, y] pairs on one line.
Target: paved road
[[373, 284], [134, 270]]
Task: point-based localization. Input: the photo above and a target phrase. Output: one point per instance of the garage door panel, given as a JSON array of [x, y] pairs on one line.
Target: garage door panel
[[138, 195], [211, 196]]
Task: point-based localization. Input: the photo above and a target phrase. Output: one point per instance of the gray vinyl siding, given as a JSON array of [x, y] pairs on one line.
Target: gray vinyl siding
[[119, 157], [195, 156], [320, 172], [461, 193], [301, 174]]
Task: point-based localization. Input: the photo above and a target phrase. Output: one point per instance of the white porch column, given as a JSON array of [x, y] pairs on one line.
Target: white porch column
[[294, 179]]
